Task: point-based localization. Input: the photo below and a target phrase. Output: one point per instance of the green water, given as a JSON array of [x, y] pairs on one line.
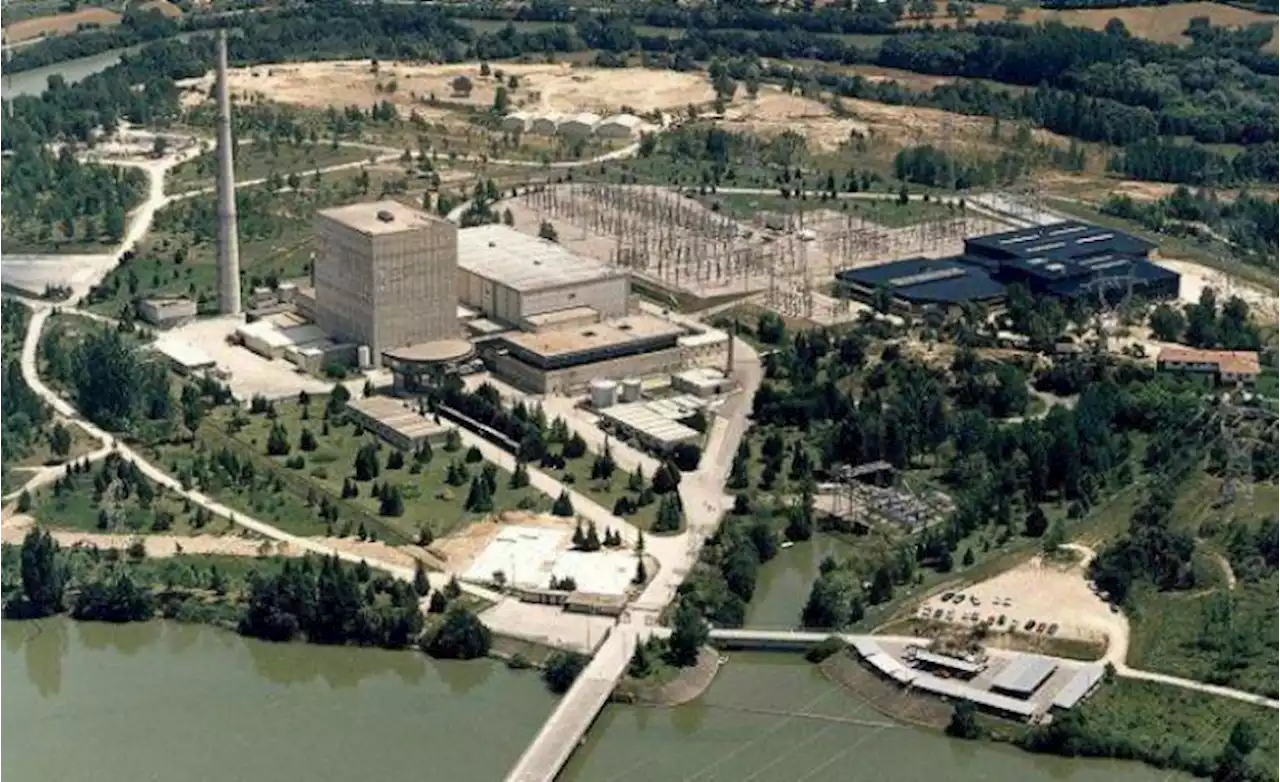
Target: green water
[[171, 702], [721, 738], [783, 584]]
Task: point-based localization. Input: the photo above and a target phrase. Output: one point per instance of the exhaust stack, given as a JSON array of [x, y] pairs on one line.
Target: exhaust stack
[[228, 233]]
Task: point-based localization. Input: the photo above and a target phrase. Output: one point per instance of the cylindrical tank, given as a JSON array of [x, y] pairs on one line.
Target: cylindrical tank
[[630, 391], [362, 356], [604, 392]]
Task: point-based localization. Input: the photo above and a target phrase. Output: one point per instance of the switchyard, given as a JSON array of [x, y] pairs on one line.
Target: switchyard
[[662, 236]]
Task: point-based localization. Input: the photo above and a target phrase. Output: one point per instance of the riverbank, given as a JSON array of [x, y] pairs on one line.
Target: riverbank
[[682, 686]]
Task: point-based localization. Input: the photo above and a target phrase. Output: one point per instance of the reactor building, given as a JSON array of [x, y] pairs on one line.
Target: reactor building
[[385, 277]]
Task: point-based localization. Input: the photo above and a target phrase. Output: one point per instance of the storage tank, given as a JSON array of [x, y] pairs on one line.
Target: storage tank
[[362, 356], [604, 393], [631, 389]]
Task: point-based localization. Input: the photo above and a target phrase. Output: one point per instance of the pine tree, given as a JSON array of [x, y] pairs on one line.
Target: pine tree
[[642, 574], [563, 506], [519, 478], [421, 584], [579, 539], [635, 482], [593, 539], [278, 441]]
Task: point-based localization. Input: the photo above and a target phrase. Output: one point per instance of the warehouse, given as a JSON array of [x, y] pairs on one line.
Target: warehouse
[[1023, 675], [516, 122], [509, 276], [1063, 260], [396, 421], [579, 125], [566, 360], [652, 428], [545, 125], [621, 126]]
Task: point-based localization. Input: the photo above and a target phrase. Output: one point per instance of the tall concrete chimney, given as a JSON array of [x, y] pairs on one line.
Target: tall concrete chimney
[[228, 234]]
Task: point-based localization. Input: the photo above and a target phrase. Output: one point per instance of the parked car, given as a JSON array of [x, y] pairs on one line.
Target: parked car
[[951, 615], [958, 599], [937, 614], [974, 599], [1029, 626], [1001, 620], [1040, 627], [947, 596], [1053, 628]]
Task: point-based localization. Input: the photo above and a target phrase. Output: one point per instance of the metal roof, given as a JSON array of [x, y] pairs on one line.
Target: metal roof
[[640, 417], [184, 354], [1024, 674], [951, 688], [524, 263], [1058, 241], [927, 280], [947, 661], [1079, 686]]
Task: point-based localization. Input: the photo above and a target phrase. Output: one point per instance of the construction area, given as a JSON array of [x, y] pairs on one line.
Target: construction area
[[664, 237]]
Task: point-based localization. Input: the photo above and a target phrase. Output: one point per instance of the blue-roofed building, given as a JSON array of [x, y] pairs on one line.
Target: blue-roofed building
[[1065, 260]]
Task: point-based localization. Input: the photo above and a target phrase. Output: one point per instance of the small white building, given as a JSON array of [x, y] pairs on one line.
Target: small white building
[[167, 313], [545, 124], [702, 382], [517, 122], [184, 357], [579, 125], [619, 126]]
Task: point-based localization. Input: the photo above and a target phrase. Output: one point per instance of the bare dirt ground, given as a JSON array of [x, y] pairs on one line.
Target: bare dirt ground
[[61, 24], [1046, 592], [1165, 24], [15, 529], [1195, 278], [773, 112], [542, 87]]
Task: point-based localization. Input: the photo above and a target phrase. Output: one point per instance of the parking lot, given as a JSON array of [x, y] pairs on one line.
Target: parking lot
[[1036, 599]]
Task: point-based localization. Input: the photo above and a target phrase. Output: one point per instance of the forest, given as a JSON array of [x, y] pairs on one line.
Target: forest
[[24, 413], [1248, 222]]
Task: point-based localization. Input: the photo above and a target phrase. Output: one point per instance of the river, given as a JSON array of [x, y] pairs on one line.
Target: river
[[36, 80], [166, 701]]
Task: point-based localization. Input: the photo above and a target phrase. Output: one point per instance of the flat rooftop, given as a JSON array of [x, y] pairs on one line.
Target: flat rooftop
[[436, 351], [522, 262], [1024, 674], [370, 219], [928, 280], [394, 414], [560, 342], [1059, 241], [562, 316]]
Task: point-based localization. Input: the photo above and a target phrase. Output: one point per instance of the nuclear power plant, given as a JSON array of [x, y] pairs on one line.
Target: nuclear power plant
[[228, 234]]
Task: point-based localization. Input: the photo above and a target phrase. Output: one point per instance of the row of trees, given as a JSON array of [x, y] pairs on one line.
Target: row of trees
[[1248, 222]]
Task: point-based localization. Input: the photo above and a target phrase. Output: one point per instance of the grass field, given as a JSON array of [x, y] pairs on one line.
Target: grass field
[[428, 500], [79, 509], [259, 161], [1164, 720]]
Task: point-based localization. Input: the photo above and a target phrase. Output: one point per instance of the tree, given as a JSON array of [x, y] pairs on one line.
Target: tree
[[1037, 522], [24, 501], [562, 669], [307, 440], [43, 578], [461, 86], [501, 100], [390, 501], [60, 441], [460, 636], [688, 635], [1056, 536], [670, 514], [591, 541], [968, 559], [563, 506], [1167, 323], [421, 584], [479, 497], [686, 456], [519, 478], [548, 231], [366, 464], [437, 603], [395, 459], [278, 440], [800, 517], [881, 586], [642, 574], [666, 478], [964, 721]]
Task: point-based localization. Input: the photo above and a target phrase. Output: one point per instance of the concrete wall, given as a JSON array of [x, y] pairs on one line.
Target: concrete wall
[[505, 304], [574, 379], [388, 290], [608, 297]]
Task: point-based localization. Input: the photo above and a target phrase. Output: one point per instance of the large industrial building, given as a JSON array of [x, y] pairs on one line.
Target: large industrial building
[[385, 276], [566, 360], [509, 277], [1064, 260]]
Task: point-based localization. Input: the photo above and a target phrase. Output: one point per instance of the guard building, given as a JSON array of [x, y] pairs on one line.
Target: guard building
[[1063, 260]]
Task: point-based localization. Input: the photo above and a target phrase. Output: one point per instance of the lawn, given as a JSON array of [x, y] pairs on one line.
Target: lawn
[[79, 508], [260, 160], [429, 501], [577, 475]]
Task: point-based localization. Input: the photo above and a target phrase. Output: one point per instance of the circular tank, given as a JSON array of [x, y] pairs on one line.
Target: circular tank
[[604, 393], [630, 390]]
